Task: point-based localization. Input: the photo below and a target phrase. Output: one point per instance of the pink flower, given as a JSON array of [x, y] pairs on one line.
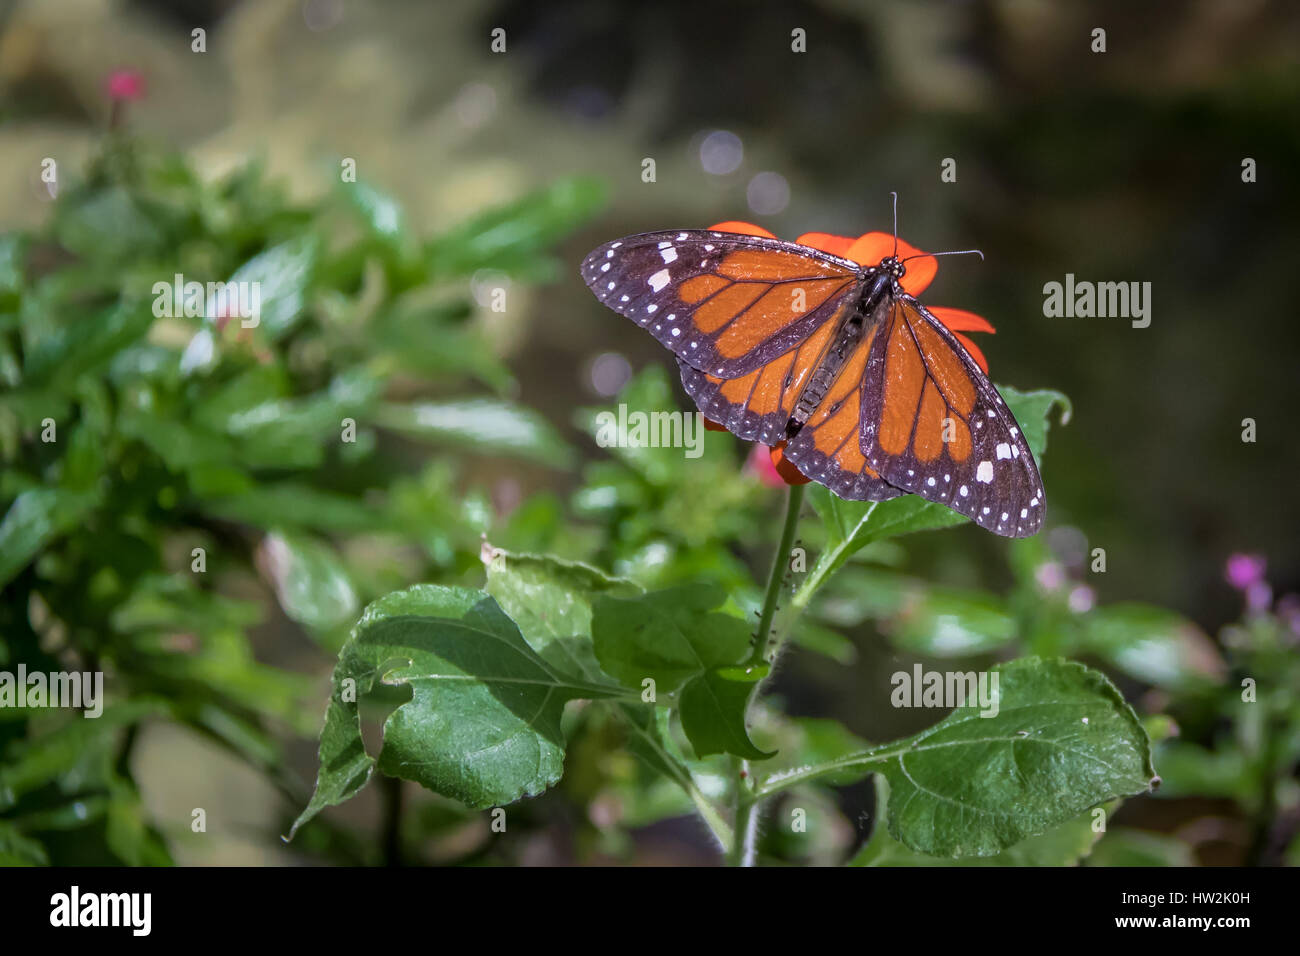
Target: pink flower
[[1050, 575], [125, 85], [1081, 599], [1288, 609], [1244, 571]]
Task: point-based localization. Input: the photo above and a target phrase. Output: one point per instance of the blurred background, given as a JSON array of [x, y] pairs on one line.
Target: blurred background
[[1117, 166]]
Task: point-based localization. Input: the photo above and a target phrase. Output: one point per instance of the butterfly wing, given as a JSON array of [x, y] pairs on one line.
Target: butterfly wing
[[724, 303], [936, 426], [757, 406], [828, 447]]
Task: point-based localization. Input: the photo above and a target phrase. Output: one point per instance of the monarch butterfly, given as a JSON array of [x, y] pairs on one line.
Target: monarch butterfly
[[871, 394]]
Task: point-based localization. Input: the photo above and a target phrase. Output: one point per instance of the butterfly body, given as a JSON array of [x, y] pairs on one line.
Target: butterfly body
[[874, 285], [867, 391]]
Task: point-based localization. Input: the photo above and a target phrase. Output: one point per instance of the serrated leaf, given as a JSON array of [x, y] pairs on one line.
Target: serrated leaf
[[1063, 845], [550, 599], [1063, 739], [668, 636], [482, 724], [676, 639]]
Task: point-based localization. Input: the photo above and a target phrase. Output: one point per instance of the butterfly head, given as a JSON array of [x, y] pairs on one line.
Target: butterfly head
[[892, 266]]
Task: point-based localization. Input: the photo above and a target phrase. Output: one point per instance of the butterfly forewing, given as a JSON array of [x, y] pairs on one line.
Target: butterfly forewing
[[724, 303], [935, 426]]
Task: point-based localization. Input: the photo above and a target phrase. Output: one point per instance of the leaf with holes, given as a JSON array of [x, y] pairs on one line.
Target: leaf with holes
[[482, 724]]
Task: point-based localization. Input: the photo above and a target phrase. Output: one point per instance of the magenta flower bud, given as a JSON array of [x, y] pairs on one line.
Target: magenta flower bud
[[1244, 570]]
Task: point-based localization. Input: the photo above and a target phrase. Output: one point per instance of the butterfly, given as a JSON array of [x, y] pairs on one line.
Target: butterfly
[[868, 392]]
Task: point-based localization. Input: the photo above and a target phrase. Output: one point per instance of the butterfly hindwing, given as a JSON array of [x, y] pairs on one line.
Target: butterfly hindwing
[[756, 407], [934, 425], [724, 303]]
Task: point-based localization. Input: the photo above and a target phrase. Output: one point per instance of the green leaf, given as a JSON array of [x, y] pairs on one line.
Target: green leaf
[[1125, 846], [713, 710], [950, 622], [1063, 739], [676, 639], [852, 525], [36, 518], [814, 740], [33, 762], [79, 347], [514, 235], [668, 636], [310, 581], [284, 273], [550, 599], [19, 850], [1190, 770], [482, 724], [289, 504], [484, 425], [381, 213], [1033, 411], [1063, 845], [109, 225], [1154, 645]]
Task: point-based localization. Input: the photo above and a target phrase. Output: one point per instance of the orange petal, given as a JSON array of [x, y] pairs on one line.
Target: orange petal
[[835, 245], [871, 247], [785, 468], [974, 351], [744, 228], [959, 320]]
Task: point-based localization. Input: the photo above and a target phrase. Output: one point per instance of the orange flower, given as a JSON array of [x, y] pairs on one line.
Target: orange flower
[[868, 249]]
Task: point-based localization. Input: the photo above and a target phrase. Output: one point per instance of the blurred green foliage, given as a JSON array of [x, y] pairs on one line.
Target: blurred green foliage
[[183, 494]]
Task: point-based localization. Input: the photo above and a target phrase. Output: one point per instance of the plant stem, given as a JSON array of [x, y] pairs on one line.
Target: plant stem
[[744, 838], [780, 561], [744, 844]]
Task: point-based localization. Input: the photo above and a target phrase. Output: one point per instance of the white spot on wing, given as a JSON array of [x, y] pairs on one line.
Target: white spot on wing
[[658, 280], [984, 472], [1004, 450], [669, 254]]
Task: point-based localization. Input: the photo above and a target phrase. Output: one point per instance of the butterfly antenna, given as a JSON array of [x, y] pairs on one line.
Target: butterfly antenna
[[895, 252], [955, 252]]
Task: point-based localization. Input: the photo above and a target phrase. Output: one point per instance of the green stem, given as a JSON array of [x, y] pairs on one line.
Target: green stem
[[744, 845], [762, 638], [744, 841]]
